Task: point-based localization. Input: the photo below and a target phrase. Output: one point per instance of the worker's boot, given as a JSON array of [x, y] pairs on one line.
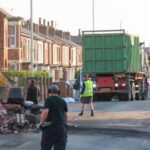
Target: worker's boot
[[81, 113], [92, 113]]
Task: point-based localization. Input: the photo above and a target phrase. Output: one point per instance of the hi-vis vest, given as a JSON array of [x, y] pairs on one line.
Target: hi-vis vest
[[88, 91]]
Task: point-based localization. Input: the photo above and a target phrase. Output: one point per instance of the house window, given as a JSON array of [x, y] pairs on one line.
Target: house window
[[13, 66], [12, 36], [58, 55], [40, 52]]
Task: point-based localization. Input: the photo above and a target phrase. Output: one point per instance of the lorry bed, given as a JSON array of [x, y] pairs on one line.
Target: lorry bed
[[110, 51]]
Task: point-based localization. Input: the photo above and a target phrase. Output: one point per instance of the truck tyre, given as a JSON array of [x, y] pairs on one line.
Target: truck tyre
[[144, 95], [127, 96]]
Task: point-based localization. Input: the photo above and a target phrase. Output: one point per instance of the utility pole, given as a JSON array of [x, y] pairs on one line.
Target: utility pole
[[31, 26], [93, 20], [120, 25], [93, 16]]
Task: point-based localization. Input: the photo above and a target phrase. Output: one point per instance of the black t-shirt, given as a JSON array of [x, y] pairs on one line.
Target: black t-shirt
[[57, 108]]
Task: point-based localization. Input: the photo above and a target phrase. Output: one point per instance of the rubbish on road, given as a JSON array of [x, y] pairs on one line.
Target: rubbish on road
[[69, 100], [16, 118]]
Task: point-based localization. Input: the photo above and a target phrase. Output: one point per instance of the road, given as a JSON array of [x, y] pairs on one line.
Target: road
[[82, 140], [124, 114], [115, 126]]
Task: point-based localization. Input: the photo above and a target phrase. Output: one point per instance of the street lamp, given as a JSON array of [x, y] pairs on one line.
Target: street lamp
[[93, 16], [120, 25], [31, 27], [93, 22]]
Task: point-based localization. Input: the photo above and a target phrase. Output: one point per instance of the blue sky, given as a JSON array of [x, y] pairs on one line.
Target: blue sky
[[70, 15]]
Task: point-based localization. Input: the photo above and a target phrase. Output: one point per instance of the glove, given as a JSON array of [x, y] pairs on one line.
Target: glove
[[40, 126]]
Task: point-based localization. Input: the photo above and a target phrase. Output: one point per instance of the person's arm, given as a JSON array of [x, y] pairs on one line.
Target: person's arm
[[83, 88], [66, 117], [66, 113], [44, 116], [45, 112]]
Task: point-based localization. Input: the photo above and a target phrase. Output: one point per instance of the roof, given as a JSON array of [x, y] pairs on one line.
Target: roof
[[77, 40], [15, 18], [5, 12]]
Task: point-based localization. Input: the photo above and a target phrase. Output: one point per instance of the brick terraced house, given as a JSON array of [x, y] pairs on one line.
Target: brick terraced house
[[53, 50]]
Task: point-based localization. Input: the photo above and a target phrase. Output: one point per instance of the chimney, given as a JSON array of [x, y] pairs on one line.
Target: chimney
[[44, 21], [51, 31], [79, 33], [52, 23], [59, 33], [47, 28], [48, 24], [67, 35], [40, 21], [34, 27], [26, 24], [37, 28]]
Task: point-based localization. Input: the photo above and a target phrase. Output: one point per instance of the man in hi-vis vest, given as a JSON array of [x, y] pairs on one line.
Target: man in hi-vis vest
[[87, 94]]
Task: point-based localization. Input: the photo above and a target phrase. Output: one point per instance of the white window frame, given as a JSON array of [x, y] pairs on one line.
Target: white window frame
[[13, 36], [40, 52]]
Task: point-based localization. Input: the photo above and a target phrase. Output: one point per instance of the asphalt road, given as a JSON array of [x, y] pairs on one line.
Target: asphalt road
[[82, 140], [124, 114], [115, 126]]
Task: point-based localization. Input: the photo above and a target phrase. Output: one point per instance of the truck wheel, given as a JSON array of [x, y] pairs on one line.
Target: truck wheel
[[138, 95], [129, 94], [95, 97], [144, 95]]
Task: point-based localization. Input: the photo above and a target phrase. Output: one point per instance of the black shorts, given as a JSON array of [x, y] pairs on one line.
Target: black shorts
[[86, 100]]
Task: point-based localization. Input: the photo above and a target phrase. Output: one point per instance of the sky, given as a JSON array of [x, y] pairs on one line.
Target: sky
[[72, 15]]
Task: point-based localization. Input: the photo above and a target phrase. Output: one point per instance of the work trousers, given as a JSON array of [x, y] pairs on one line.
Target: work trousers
[[54, 136]]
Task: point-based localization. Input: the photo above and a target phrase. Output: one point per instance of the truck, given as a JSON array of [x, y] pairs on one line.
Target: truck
[[112, 58]]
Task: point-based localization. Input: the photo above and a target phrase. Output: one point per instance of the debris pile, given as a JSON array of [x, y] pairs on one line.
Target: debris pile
[[17, 115], [12, 118]]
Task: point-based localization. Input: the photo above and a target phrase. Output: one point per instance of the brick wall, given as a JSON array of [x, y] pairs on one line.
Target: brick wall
[[3, 41]]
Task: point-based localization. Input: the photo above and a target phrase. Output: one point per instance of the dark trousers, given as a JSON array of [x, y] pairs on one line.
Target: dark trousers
[[54, 136]]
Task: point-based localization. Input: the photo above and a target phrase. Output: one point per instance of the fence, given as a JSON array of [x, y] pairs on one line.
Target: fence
[[42, 83]]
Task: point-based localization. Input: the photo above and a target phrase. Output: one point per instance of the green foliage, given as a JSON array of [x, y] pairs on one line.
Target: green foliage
[[77, 74], [25, 73]]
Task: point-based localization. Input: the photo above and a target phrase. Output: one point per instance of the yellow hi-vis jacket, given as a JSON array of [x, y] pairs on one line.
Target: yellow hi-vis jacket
[[88, 91]]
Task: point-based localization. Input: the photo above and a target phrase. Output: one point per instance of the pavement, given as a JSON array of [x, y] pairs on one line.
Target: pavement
[[133, 115]]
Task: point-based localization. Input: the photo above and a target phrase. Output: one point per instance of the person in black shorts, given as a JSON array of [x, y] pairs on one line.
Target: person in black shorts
[[54, 121], [87, 95]]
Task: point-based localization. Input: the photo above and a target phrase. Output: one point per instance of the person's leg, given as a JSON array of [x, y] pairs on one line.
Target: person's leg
[[60, 146], [46, 140], [82, 109], [92, 107], [61, 141]]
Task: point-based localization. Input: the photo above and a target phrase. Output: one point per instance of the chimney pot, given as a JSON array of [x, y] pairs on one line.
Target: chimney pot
[[52, 23], [40, 21]]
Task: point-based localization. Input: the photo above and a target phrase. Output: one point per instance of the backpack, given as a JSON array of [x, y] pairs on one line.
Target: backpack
[[76, 85]]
